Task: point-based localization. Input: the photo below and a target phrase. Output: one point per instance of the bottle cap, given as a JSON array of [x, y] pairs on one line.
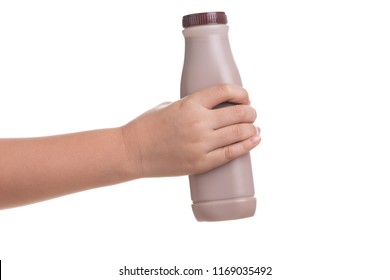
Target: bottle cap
[[204, 18]]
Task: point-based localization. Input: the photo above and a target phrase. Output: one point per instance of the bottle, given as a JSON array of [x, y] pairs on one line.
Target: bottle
[[226, 192]]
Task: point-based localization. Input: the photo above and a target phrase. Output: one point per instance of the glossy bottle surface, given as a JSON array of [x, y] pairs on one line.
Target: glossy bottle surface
[[226, 192]]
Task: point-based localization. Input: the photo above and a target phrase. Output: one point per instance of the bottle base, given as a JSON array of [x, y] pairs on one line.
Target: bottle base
[[223, 210]]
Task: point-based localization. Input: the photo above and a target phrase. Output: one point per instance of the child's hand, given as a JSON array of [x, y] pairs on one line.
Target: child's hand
[[189, 136], [184, 137]]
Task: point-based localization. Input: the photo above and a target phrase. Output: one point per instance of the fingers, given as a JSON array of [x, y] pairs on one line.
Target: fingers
[[213, 96], [225, 154], [232, 134], [232, 115], [228, 132]]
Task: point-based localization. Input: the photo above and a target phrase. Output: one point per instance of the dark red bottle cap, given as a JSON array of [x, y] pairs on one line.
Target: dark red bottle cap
[[204, 18]]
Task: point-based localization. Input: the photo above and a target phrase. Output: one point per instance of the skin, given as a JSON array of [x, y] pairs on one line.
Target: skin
[[173, 139]]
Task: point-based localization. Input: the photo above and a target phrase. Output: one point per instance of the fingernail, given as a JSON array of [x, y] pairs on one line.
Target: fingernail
[[256, 139], [258, 130]]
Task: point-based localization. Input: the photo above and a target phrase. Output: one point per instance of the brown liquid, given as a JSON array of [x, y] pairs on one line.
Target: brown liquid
[[226, 192]]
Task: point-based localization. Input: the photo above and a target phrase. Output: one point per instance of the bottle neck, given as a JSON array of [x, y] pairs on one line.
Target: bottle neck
[[206, 30]]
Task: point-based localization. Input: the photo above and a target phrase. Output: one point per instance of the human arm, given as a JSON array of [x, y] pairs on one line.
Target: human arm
[[180, 138], [35, 169]]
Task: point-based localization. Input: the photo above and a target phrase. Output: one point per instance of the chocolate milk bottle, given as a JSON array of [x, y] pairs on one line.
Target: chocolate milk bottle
[[226, 192]]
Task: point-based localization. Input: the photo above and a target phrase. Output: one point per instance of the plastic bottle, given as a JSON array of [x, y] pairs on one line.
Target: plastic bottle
[[226, 192]]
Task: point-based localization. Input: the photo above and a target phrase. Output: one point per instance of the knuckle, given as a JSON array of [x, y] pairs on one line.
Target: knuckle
[[186, 102], [239, 111], [228, 152], [237, 131], [196, 128], [222, 88]]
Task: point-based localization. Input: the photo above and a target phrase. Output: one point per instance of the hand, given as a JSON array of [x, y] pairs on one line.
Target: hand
[[189, 136]]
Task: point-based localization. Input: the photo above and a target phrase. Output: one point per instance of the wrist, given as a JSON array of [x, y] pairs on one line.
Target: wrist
[[132, 151]]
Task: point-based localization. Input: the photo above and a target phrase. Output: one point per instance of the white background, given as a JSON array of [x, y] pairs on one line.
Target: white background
[[318, 73]]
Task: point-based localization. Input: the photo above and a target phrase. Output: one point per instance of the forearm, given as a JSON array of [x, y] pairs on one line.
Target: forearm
[[36, 169]]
